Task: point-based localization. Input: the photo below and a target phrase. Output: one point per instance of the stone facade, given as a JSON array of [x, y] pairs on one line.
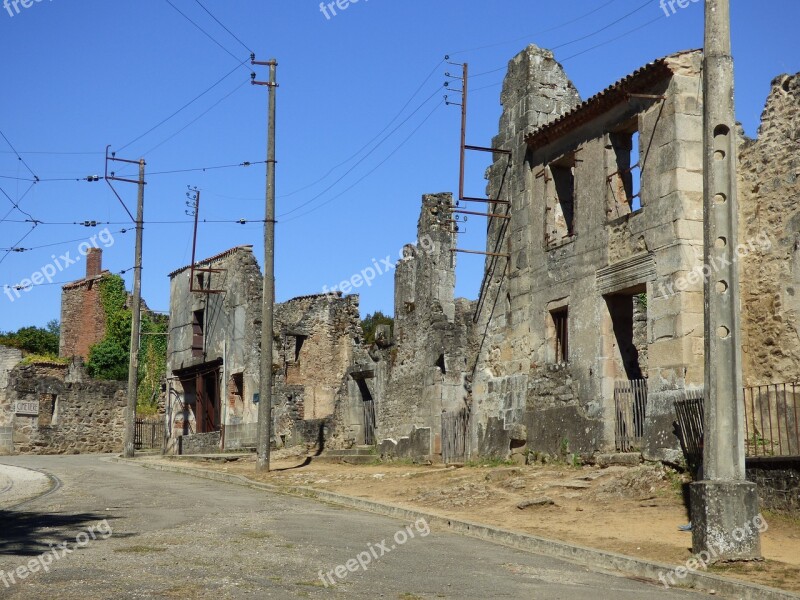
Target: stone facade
[[214, 358], [769, 207], [9, 358], [74, 414], [83, 320], [424, 372], [596, 244]]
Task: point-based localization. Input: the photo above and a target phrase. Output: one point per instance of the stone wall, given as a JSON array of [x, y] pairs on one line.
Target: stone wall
[[778, 481], [769, 230], [425, 371], [9, 358], [76, 414], [83, 320], [590, 272], [315, 339]]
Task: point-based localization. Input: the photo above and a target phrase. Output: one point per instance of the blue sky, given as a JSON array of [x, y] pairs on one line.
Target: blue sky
[[80, 75]]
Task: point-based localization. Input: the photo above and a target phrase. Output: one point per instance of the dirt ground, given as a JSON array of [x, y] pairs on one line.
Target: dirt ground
[[631, 510]]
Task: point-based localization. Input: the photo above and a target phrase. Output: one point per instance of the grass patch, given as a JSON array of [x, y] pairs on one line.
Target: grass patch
[[314, 583]]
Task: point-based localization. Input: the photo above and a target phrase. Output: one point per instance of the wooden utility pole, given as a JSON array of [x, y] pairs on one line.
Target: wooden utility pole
[[724, 505], [136, 302], [268, 302]]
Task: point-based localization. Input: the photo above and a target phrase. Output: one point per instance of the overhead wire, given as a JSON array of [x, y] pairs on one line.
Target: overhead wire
[[367, 155], [184, 107], [370, 172], [233, 35], [541, 32], [208, 35], [14, 150], [369, 143]]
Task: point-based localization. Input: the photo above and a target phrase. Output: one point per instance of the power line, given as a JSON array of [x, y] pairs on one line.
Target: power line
[[22, 160], [50, 245], [180, 222], [246, 163], [367, 155], [185, 106], [200, 116], [578, 39], [223, 26], [19, 241], [615, 39], [208, 35], [543, 31], [381, 132], [15, 205], [392, 153]]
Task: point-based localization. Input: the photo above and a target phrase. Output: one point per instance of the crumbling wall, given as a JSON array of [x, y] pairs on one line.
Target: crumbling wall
[[769, 231], [232, 332], [76, 414], [9, 358], [425, 372], [607, 256], [317, 338], [83, 320]]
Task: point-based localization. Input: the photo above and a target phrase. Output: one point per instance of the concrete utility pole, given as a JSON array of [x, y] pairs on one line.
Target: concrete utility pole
[[136, 311], [265, 379], [724, 504]]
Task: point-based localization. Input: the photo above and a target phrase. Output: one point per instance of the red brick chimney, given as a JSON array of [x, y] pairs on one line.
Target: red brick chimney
[[94, 262]]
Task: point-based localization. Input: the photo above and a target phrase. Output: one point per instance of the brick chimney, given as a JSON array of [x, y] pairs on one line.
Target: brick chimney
[[94, 262]]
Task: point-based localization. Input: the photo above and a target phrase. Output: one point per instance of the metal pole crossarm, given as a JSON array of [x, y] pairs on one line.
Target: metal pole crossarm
[[115, 178], [479, 214], [484, 149], [480, 252], [490, 200]]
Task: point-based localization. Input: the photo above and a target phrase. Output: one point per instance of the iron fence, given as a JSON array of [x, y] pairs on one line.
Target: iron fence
[[630, 407], [771, 420], [690, 428], [149, 433]]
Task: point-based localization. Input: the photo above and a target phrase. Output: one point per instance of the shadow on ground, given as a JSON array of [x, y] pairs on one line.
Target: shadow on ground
[[32, 533]]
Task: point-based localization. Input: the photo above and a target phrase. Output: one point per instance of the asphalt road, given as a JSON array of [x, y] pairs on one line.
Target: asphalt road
[[119, 531]]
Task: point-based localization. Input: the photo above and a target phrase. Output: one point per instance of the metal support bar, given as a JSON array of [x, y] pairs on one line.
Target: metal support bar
[[484, 149], [479, 252], [480, 214], [490, 200]]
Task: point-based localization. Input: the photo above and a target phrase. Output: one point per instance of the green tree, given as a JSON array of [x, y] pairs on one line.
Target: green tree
[[109, 358], [370, 323], [41, 341]]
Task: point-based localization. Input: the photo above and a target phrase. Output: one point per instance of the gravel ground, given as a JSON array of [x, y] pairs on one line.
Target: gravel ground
[[18, 485]]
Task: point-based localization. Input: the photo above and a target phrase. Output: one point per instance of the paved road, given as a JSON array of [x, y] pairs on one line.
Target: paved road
[[138, 533]]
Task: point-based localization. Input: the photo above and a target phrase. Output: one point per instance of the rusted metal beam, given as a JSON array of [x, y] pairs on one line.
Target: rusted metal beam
[[479, 252], [479, 214]]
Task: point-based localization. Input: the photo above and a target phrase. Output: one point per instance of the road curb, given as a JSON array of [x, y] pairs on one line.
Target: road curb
[[55, 484], [598, 560]]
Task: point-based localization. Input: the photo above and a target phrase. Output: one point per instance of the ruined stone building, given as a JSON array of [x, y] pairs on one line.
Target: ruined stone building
[[587, 326], [214, 356], [83, 321], [585, 336]]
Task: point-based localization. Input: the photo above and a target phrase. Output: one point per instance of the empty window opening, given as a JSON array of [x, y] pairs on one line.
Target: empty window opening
[[236, 391], [441, 364], [564, 188], [560, 319], [198, 333], [625, 181], [629, 324], [299, 340]]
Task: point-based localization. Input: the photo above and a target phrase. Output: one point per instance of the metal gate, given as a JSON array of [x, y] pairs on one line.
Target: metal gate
[[690, 425], [455, 432], [630, 405], [369, 422], [149, 433]]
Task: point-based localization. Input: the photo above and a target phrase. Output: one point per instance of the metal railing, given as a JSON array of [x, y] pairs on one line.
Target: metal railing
[[772, 420], [149, 433], [630, 407], [690, 428]]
